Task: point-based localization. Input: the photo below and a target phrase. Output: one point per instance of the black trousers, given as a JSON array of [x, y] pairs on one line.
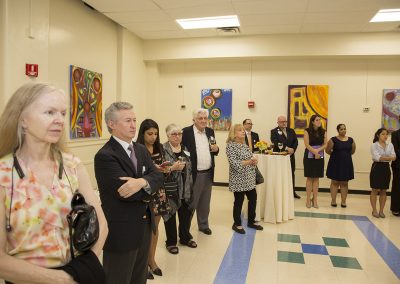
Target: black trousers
[[185, 218], [293, 166], [238, 203], [128, 267], [395, 195]]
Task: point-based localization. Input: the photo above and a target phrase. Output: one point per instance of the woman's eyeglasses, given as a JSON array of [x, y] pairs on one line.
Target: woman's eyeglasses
[[176, 134]]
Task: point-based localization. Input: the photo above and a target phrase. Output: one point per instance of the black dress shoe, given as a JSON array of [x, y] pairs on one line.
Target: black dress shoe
[[237, 230], [206, 231], [255, 226], [396, 213], [296, 195]]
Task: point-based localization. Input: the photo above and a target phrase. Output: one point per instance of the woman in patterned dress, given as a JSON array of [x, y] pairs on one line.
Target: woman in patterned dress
[[37, 180], [242, 177]]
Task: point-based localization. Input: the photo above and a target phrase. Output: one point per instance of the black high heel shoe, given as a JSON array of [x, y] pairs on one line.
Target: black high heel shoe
[[156, 271]]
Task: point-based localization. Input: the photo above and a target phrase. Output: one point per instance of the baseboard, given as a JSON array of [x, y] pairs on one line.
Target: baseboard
[[321, 189]]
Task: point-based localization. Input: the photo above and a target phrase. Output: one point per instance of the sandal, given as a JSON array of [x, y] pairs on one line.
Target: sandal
[[173, 249], [191, 244]]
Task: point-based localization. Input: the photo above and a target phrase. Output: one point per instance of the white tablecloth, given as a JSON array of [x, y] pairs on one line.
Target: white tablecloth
[[275, 202]]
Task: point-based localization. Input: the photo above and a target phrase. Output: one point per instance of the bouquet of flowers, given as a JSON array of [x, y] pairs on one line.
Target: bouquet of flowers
[[262, 146]]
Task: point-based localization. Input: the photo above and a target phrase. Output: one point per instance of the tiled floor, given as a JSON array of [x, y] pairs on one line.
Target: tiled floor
[[325, 245]]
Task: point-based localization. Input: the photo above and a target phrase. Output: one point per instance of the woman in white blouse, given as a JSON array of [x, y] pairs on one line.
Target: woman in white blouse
[[382, 154], [242, 177]]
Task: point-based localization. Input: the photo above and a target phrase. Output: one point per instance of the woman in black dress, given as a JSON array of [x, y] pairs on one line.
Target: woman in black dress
[[382, 154], [315, 143], [340, 166]]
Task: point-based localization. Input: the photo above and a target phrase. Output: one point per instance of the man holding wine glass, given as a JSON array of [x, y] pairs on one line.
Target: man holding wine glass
[[200, 141], [284, 138]]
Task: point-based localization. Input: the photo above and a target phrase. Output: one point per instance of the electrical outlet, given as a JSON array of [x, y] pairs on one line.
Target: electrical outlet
[[366, 108]]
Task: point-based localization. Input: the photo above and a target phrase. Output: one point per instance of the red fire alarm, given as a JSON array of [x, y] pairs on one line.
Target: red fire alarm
[[251, 104], [32, 70]]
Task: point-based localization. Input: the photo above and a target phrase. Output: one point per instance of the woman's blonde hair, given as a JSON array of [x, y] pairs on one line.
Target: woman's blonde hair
[[11, 132], [231, 135]]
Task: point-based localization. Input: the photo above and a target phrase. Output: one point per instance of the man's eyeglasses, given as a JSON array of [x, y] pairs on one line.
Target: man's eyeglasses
[[176, 134], [249, 123]]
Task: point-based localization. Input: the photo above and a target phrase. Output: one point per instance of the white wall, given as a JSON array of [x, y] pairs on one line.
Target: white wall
[[67, 32], [350, 88]]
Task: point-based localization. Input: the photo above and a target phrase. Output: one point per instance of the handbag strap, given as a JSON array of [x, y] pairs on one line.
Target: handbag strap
[[69, 219]]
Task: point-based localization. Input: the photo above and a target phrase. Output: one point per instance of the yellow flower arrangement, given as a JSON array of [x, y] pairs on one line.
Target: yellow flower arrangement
[[262, 145]]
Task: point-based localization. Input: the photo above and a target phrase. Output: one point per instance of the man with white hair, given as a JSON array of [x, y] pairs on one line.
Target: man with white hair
[[200, 141], [288, 138]]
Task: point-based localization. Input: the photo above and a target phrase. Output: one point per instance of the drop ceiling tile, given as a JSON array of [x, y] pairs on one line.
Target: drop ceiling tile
[[153, 26], [201, 32], [271, 29], [331, 28], [382, 27], [122, 5], [161, 35], [271, 19], [174, 4], [350, 5], [270, 6], [338, 17], [132, 17], [219, 9]]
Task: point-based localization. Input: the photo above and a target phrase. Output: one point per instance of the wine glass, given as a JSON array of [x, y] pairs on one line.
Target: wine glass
[[212, 141], [280, 146]]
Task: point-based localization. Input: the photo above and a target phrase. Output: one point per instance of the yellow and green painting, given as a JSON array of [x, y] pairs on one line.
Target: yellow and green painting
[[303, 102]]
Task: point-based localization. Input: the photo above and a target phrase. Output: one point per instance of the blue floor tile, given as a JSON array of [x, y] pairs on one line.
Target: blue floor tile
[[314, 249]]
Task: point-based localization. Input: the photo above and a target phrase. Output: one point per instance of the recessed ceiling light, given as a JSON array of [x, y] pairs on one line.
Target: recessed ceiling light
[[209, 22], [386, 15]]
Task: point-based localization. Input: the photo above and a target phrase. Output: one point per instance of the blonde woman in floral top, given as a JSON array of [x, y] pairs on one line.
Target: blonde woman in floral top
[[36, 191], [242, 177]]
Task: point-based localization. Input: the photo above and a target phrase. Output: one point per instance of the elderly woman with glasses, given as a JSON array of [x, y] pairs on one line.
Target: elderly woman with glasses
[[179, 189]]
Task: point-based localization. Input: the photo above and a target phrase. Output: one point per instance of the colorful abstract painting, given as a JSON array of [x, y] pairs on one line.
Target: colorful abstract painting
[[219, 104], [86, 103], [391, 109], [303, 102]]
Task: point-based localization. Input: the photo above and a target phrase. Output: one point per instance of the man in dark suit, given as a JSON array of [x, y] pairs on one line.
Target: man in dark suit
[[251, 137], [286, 136], [200, 141], [395, 197], [126, 177]]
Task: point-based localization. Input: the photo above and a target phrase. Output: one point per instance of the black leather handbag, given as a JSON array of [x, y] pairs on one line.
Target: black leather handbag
[[259, 177], [83, 225]]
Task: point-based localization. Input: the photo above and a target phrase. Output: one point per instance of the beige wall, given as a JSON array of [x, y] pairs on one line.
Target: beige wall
[[66, 32], [350, 88]]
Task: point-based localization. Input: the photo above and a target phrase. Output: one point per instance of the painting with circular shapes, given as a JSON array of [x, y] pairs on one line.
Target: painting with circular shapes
[[391, 109], [219, 104], [86, 103]]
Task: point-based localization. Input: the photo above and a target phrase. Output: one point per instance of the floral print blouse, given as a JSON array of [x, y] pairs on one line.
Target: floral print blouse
[[39, 232]]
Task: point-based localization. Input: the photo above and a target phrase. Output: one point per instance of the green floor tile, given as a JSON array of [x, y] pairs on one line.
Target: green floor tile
[[293, 257], [289, 238], [345, 262], [323, 215], [335, 242]]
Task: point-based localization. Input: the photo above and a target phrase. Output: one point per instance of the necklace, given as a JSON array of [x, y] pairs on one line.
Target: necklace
[[175, 149]]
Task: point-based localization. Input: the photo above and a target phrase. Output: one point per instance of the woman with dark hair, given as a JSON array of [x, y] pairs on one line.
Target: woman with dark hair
[[149, 136], [382, 154], [315, 143], [340, 166]]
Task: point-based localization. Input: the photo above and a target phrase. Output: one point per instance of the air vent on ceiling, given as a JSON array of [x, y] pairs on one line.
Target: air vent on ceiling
[[228, 31]]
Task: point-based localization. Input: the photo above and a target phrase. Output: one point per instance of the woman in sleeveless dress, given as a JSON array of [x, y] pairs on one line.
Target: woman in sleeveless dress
[[340, 166]]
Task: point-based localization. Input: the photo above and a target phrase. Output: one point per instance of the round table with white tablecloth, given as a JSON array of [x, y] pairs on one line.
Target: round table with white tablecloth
[[275, 201]]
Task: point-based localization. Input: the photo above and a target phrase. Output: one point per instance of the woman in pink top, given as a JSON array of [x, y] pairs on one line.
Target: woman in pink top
[[37, 180]]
